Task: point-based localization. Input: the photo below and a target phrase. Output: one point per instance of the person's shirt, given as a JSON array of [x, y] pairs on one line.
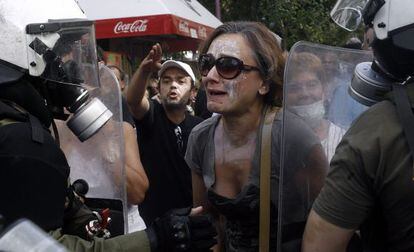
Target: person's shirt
[[343, 109], [162, 146], [370, 183], [200, 156], [335, 134]]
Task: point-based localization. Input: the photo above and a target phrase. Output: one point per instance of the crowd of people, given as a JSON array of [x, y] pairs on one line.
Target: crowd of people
[[202, 148]]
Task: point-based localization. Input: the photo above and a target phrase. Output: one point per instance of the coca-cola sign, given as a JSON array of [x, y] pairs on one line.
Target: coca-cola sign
[[139, 25]]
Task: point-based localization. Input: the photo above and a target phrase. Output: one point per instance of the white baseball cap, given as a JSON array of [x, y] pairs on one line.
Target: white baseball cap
[[178, 64]]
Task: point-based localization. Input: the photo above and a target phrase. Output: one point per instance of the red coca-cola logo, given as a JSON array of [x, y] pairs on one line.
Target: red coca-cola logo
[[138, 25]]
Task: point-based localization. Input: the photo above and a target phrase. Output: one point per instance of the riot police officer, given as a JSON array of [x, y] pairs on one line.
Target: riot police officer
[[370, 185]]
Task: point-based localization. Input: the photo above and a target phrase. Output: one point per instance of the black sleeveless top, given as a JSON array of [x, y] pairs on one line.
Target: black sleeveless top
[[242, 219]]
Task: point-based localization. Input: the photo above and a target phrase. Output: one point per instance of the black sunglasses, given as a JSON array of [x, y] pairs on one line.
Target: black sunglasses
[[227, 67]]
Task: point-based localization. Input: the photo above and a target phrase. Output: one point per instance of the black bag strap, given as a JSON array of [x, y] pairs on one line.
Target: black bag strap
[[405, 115]]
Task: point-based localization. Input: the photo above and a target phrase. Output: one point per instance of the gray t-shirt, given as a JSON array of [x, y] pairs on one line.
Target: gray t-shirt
[[299, 140]]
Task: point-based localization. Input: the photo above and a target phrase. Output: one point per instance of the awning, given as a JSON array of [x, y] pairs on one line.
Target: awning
[[132, 18]]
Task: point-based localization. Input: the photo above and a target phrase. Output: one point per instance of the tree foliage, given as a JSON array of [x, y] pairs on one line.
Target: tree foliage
[[294, 20]]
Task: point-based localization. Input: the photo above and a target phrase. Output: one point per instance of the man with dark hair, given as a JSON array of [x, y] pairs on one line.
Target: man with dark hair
[[163, 130]]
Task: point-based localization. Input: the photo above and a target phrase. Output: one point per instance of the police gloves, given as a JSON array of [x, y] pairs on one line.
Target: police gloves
[[177, 231]]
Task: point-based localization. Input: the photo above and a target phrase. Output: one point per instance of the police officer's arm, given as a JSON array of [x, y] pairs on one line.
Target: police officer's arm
[[137, 181], [137, 102], [175, 229], [137, 241], [322, 236]]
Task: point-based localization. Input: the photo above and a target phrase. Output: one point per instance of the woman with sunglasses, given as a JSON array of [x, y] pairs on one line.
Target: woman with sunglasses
[[242, 70]]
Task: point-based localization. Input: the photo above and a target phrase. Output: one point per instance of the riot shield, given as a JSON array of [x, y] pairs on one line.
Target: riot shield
[[317, 111], [100, 160]]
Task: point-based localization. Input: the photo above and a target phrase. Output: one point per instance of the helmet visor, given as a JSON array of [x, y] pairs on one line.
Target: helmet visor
[[65, 53], [348, 13]]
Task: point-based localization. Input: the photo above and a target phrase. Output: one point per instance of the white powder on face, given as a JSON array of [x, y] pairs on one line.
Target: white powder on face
[[224, 46], [231, 89]]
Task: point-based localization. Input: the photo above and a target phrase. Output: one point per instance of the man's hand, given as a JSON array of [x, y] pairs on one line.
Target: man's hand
[[179, 231], [152, 62]]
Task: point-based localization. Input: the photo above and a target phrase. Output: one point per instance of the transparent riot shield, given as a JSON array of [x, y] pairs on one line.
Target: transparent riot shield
[[317, 111], [100, 160]]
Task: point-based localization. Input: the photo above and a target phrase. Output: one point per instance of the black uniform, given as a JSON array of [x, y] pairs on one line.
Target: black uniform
[[34, 172], [31, 162]]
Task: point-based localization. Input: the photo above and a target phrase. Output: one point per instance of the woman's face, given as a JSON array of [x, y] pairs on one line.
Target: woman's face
[[236, 95], [305, 88]]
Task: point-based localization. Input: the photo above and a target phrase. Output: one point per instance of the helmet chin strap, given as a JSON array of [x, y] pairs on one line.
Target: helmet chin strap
[[378, 68]]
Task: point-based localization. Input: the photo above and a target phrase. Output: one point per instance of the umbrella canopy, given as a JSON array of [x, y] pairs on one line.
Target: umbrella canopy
[[132, 18]]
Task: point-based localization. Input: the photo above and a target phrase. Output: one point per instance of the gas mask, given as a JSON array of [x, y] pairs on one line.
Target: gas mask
[[53, 43], [312, 114], [393, 45], [69, 70]]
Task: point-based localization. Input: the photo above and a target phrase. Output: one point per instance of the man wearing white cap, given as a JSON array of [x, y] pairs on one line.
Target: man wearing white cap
[[163, 131]]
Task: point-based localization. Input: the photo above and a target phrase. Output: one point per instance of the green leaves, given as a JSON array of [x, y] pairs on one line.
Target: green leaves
[[294, 20]]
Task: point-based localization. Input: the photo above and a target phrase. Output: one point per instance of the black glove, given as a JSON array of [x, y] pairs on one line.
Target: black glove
[[177, 231], [76, 217]]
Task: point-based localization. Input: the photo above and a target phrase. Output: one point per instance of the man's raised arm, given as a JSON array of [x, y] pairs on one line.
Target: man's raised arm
[[137, 102]]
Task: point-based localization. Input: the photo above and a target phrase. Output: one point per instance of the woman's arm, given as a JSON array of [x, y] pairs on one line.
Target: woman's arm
[[200, 199], [199, 191], [316, 169], [137, 181]]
